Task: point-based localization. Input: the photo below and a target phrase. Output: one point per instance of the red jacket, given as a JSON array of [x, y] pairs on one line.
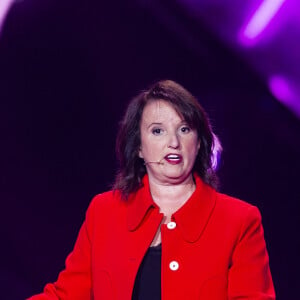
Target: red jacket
[[214, 249]]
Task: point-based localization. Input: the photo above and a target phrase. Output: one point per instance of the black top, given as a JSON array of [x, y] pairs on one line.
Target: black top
[[147, 284]]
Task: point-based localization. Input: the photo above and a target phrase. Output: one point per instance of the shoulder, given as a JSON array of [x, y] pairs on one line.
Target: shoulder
[[107, 198], [103, 211], [236, 209], [108, 202], [236, 219], [226, 207]]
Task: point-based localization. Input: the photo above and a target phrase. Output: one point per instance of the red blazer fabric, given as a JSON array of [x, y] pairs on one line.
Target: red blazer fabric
[[214, 249]]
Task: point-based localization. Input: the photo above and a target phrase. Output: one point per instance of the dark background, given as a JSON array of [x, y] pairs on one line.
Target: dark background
[[67, 71]]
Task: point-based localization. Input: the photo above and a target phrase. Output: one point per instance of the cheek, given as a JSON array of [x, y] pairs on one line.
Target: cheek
[[145, 147], [142, 146], [193, 148], [194, 143]]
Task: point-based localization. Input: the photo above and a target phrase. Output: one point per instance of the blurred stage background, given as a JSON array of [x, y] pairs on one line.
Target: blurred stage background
[[67, 71]]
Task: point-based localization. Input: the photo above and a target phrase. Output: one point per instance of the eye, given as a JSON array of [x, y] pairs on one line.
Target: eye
[[185, 129], [157, 131]]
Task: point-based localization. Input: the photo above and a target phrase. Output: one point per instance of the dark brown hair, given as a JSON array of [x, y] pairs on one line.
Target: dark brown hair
[[132, 168]]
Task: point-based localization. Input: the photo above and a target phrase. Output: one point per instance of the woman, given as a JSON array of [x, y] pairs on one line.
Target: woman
[[164, 232]]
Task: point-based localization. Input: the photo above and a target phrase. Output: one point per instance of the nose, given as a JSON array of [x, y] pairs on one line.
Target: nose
[[173, 141]]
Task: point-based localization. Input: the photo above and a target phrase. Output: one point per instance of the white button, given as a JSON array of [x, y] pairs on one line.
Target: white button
[[171, 225], [174, 265]]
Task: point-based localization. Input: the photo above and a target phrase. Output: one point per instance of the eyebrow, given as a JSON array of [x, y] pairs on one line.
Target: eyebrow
[[159, 123], [154, 123]]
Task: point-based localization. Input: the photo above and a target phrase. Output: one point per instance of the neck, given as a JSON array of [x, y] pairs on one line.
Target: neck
[[170, 197]]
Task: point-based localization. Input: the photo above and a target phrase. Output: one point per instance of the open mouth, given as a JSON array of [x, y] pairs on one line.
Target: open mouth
[[173, 158]]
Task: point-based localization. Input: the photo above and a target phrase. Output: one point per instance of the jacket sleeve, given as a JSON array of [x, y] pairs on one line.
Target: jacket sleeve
[[249, 274], [74, 282]]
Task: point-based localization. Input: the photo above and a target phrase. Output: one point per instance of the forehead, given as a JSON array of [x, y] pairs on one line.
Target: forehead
[[160, 111]]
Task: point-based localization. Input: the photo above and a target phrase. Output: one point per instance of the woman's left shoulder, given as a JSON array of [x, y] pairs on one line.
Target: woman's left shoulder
[[236, 207]]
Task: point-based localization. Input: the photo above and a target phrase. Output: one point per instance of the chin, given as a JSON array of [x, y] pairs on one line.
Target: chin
[[177, 176]]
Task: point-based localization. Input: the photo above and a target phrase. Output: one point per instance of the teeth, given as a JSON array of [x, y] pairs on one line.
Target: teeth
[[173, 156]]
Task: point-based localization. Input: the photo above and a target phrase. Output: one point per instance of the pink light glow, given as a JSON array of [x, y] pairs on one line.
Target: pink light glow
[[284, 91], [4, 7], [260, 19]]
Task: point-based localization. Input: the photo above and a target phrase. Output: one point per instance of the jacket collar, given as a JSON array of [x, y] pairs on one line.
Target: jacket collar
[[191, 218], [139, 203]]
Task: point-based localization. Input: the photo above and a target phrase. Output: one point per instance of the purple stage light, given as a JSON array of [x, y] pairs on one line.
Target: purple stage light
[[216, 152], [284, 91], [260, 20], [4, 8]]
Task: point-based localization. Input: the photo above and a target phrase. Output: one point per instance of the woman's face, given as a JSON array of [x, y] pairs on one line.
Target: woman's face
[[168, 145]]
